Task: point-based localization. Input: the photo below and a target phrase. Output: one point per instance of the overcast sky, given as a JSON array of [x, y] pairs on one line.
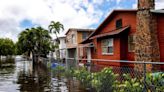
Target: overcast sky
[[16, 15]]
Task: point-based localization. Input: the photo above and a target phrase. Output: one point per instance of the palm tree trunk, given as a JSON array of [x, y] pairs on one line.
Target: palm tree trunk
[[33, 59]]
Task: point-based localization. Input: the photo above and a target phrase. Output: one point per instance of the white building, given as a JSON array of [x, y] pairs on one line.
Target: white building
[[62, 47], [61, 52]]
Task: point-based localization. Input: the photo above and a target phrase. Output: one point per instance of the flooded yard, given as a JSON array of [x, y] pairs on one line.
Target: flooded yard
[[22, 77]]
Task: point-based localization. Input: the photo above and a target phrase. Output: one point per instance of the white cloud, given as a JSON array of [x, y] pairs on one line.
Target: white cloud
[[72, 13], [118, 1], [159, 4]]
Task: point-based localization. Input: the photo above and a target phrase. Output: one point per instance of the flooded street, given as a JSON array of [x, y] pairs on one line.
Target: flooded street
[[21, 77]]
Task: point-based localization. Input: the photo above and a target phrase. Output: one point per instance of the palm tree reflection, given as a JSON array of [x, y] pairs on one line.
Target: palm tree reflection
[[38, 80]]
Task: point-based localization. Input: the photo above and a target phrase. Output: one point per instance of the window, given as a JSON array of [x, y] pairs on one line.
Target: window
[[131, 43], [107, 46], [118, 23], [84, 35], [73, 38]]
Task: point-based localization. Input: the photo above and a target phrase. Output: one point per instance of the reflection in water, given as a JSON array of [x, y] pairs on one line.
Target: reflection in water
[[21, 77], [38, 80]]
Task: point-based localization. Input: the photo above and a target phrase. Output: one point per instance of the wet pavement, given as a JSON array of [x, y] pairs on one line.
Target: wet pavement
[[22, 77]]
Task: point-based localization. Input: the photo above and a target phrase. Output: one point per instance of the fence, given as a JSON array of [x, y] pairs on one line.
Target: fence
[[131, 76]]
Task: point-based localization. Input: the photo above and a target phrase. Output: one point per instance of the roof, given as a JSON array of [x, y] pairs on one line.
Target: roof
[[109, 17], [113, 32], [78, 29], [158, 11], [106, 20], [87, 45]]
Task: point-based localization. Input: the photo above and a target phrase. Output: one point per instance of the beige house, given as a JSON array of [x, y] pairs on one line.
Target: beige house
[[73, 39]]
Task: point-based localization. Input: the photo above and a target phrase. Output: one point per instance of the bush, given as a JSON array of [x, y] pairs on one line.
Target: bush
[[155, 81], [106, 80], [103, 81], [84, 77], [129, 84]]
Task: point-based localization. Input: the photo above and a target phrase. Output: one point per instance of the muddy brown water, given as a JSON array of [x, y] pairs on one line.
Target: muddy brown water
[[21, 77]]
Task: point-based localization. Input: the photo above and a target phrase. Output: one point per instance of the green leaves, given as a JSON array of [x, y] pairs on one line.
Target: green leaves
[[35, 40], [7, 47], [107, 81], [56, 27], [155, 81], [129, 84], [101, 81]]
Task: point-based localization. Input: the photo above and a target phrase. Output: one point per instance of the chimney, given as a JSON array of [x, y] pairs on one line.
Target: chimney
[[146, 41], [146, 4]]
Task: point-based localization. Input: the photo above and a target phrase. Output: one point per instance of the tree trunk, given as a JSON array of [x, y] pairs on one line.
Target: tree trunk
[[33, 59]]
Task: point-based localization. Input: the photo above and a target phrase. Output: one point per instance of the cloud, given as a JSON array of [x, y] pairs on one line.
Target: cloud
[[71, 13], [159, 4]]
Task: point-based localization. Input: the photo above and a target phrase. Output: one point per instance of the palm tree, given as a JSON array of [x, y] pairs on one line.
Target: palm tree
[[56, 27], [35, 40]]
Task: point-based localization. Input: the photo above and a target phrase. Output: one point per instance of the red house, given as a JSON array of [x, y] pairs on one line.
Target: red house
[[114, 38]]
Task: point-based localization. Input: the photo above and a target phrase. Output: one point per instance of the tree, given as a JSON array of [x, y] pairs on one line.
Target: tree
[[7, 47], [56, 27], [34, 40]]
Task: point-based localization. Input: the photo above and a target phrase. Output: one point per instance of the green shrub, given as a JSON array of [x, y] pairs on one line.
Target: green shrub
[[103, 81], [59, 71], [107, 81], [155, 81], [129, 84], [83, 76]]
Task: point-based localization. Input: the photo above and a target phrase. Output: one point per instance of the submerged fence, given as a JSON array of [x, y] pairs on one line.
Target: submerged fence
[[125, 76]]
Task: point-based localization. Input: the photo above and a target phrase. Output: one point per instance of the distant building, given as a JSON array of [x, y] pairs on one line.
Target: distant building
[[62, 47], [60, 53], [73, 38]]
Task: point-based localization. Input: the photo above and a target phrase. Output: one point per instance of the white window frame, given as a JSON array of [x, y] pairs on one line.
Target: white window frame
[[111, 45]]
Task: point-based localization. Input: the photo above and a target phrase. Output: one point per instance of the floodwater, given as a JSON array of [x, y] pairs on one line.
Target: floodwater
[[22, 77]]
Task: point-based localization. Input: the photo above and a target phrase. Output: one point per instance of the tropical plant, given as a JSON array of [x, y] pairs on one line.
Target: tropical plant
[[35, 40], [107, 81], [155, 81], [56, 27], [84, 77], [129, 84], [103, 81]]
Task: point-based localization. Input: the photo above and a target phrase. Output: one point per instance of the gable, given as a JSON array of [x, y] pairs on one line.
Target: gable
[[128, 18]]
